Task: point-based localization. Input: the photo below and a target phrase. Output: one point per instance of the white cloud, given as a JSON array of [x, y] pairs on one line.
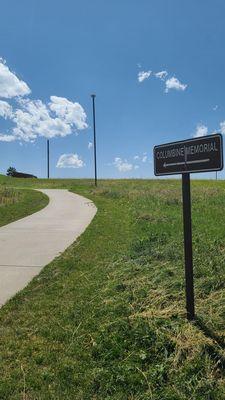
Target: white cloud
[[142, 75], [222, 127], [32, 118], [90, 145], [174, 83], [136, 167], [5, 109], [7, 138], [161, 75], [144, 158], [201, 130], [10, 85], [35, 119], [70, 161], [215, 107], [122, 165], [171, 83], [71, 113]]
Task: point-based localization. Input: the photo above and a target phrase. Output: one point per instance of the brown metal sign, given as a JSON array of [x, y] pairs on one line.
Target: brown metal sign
[[202, 154]]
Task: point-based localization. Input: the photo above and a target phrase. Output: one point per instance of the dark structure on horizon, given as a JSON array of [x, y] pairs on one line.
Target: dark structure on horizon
[[11, 171]]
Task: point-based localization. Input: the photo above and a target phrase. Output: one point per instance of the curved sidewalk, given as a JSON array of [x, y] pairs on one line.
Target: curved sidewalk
[[28, 244]]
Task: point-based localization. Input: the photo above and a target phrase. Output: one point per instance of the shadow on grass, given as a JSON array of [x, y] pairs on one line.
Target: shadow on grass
[[213, 350], [209, 332]]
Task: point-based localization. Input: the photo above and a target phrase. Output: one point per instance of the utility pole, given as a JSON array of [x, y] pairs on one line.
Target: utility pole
[[94, 128], [48, 158]]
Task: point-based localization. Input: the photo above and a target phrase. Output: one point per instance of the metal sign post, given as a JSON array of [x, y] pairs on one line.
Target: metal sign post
[[188, 247], [202, 154]]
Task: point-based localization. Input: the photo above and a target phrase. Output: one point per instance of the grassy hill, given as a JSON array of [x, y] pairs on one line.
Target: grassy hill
[[106, 320], [16, 203]]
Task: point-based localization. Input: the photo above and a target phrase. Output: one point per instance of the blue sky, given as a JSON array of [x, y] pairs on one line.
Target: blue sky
[[69, 49]]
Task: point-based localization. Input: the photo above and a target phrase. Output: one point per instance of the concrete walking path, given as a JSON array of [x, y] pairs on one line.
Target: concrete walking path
[[28, 244]]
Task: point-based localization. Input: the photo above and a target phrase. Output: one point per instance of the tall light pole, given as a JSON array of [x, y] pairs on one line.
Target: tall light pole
[[94, 128], [48, 158]]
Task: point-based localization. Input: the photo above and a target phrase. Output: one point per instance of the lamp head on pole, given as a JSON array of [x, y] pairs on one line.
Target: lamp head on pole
[[93, 95]]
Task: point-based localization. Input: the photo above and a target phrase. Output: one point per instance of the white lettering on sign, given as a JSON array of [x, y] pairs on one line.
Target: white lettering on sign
[[186, 150]]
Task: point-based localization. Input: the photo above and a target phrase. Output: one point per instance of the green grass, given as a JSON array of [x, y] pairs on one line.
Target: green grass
[[106, 320], [16, 203]]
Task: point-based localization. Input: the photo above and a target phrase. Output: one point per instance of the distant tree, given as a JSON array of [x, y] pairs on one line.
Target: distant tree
[[11, 171]]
